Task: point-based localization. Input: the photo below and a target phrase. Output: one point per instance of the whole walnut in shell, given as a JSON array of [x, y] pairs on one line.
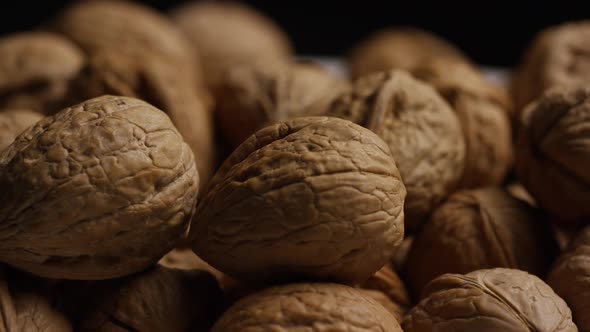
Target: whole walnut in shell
[[570, 278], [489, 300], [399, 48], [254, 96], [158, 299], [228, 33], [553, 154], [386, 287], [35, 70], [558, 56], [298, 188], [100, 190], [421, 130], [14, 122], [307, 307], [480, 229]]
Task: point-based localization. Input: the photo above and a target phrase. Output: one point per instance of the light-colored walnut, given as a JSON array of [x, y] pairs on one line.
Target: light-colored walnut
[[14, 122], [100, 190], [297, 189]]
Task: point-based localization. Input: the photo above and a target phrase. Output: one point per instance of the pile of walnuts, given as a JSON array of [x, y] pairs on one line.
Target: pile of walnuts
[[184, 173]]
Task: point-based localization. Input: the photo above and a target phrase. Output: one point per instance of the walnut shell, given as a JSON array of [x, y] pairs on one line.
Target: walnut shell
[[99, 190], [386, 287], [228, 33], [307, 307], [35, 70], [421, 130], [298, 188], [553, 154], [158, 299], [14, 122], [399, 48], [570, 278], [253, 96], [558, 56], [480, 229], [489, 300]]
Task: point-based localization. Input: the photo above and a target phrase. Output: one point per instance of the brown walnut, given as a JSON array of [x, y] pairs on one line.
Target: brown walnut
[[553, 154], [421, 130], [558, 56], [480, 229], [100, 190], [254, 96], [386, 287], [298, 188], [307, 307], [14, 122], [489, 300]]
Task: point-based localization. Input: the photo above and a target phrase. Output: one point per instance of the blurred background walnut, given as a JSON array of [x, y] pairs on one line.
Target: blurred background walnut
[[386, 287], [14, 122]]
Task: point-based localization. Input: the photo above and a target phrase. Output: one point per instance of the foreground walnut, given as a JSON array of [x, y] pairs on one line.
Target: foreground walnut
[[225, 34], [299, 188], [553, 154], [570, 278], [480, 229], [14, 122], [35, 70], [558, 56], [386, 287], [253, 96], [99, 190], [489, 300], [421, 130], [307, 307]]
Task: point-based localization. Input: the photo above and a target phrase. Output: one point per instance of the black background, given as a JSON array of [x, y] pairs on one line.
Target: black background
[[492, 32]]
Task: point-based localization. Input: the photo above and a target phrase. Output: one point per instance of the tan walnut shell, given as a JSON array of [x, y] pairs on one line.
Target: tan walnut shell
[[298, 188], [480, 229], [229, 33], [307, 307], [387, 288], [35, 71], [570, 278], [558, 56], [489, 300], [100, 190], [252, 96], [14, 122], [553, 154], [421, 130]]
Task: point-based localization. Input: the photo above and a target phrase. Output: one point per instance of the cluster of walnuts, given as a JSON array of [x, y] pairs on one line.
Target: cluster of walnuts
[[418, 196]]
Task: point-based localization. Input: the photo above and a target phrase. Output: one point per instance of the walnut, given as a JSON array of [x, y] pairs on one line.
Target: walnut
[[421, 130], [553, 154], [558, 56], [158, 299], [228, 33], [14, 122], [400, 48], [99, 190], [298, 188], [386, 287], [35, 70], [489, 300], [253, 96], [307, 307], [570, 278], [480, 229]]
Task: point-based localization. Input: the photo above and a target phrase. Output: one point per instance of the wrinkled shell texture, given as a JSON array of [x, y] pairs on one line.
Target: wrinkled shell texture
[[489, 300], [14, 122], [386, 287], [480, 229], [254, 96], [421, 130], [35, 70], [298, 188], [558, 56], [86, 193], [159, 299], [553, 154], [225, 34], [402, 48], [307, 307], [570, 278]]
